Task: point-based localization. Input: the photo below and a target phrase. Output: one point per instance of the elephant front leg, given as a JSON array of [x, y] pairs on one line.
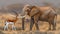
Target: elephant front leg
[[36, 24], [23, 23], [36, 19], [31, 23]]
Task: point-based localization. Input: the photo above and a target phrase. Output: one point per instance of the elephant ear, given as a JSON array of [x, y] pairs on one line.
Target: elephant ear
[[34, 11]]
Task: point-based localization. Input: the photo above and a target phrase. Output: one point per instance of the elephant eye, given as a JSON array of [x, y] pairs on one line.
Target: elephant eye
[[27, 9]]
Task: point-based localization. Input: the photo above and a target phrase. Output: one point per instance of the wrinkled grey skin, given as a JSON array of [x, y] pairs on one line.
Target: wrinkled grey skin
[[50, 12]]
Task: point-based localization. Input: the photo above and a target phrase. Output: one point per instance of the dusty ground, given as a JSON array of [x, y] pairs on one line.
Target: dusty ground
[[42, 25]]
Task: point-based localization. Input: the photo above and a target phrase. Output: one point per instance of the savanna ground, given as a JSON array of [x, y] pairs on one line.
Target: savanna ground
[[43, 26]]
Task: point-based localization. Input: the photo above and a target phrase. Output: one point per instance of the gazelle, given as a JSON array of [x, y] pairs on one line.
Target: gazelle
[[12, 22]]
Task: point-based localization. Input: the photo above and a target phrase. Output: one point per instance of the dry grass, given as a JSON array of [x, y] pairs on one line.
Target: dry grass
[[42, 25]]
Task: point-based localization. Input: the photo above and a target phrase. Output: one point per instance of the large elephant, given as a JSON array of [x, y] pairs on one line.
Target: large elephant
[[42, 13]]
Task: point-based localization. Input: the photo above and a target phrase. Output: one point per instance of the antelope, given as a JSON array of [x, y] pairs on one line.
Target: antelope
[[11, 21]]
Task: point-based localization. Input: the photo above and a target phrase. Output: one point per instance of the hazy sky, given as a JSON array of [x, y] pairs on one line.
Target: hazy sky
[[33, 2]]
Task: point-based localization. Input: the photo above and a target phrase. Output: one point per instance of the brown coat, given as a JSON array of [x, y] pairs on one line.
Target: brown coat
[[45, 13]]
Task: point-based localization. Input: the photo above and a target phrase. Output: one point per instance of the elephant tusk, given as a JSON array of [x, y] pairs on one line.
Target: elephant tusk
[[22, 16]]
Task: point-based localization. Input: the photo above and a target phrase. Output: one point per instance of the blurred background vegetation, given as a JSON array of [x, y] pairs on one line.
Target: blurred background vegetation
[[8, 6]]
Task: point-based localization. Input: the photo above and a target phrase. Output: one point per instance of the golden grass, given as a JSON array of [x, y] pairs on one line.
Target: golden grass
[[43, 26]]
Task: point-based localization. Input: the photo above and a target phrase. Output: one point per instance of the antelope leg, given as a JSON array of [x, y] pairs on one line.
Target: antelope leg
[[6, 26]]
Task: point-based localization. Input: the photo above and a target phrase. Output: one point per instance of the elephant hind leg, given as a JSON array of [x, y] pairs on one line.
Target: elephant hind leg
[[49, 26], [54, 25]]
